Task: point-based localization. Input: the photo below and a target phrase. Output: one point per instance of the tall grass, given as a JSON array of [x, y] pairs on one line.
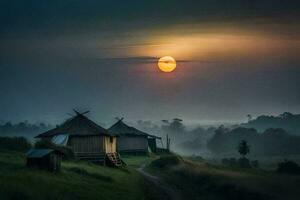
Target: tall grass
[[14, 144], [77, 180], [199, 180]]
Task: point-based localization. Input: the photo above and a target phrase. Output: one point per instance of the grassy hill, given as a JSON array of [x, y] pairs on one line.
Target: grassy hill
[[200, 180], [192, 179], [77, 180]]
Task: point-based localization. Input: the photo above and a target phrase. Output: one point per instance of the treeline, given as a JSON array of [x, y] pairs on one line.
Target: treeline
[[287, 121], [267, 135], [184, 140], [25, 129], [273, 141]]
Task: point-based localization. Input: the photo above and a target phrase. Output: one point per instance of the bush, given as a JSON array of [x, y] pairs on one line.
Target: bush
[[232, 162], [166, 161], [225, 161], [244, 163], [288, 167], [255, 163], [44, 144], [229, 162], [14, 144]]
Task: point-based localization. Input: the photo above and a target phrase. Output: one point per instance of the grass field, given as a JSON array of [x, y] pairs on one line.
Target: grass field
[[77, 180], [193, 179], [199, 180]]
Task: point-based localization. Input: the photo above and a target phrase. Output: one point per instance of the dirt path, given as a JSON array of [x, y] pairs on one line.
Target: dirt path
[[163, 190]]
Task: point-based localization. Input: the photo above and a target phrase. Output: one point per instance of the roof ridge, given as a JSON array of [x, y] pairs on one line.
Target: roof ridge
[[77, 125], [130, 129]]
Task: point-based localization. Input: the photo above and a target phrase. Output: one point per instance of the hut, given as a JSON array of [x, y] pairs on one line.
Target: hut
[[133, 141], [88, 140], [48, 159]]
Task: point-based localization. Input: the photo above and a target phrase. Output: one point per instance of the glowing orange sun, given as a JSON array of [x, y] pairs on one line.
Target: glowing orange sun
[[167, 64]]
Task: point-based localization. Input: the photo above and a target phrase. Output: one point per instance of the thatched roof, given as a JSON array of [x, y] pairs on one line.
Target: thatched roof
[[120, 128], [79, 125]]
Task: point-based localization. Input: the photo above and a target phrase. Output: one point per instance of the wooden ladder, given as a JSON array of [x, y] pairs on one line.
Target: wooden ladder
[[115, 159]]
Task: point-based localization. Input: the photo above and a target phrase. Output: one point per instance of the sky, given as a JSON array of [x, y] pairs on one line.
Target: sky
[[233, 58]]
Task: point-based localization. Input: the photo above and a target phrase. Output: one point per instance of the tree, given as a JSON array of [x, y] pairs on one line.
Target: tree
[[219, 143], [173, 127], [244, 148], [249, 117]]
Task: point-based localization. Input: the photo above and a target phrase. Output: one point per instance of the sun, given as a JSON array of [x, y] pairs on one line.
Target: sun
[[167, 64]]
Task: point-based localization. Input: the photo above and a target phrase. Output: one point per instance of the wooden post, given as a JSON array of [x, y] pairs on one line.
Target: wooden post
[[168, 143], [167, 139]]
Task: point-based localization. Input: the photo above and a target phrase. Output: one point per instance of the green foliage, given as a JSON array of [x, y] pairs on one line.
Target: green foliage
[[14, 144]]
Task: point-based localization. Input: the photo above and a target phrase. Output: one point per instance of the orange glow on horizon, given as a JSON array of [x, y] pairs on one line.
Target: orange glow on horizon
[[214, 45]]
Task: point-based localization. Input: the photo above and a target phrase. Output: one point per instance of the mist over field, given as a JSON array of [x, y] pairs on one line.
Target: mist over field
[[269, 136]]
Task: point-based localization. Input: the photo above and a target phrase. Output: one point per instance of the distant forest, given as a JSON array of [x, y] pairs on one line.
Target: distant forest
[[267, 135], [287, 121], [24, 129], [271, 142]]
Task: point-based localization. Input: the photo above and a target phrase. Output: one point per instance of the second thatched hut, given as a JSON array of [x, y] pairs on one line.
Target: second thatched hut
[[133, 141]]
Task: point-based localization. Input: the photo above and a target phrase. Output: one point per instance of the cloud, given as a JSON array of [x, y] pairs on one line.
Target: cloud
[[72, 17]]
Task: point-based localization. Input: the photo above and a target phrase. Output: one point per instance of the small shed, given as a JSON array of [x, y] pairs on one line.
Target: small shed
[[133, 141], [48, 159]]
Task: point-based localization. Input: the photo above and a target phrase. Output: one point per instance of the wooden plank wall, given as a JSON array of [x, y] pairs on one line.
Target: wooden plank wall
[[87, 144], [132, 143]]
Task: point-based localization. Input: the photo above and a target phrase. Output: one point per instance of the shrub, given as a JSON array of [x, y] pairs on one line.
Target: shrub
[[255, 163], [232, 162], [288, 167], [44, 144], [166, 161], [225, 161], [14, 144], [244, 163]]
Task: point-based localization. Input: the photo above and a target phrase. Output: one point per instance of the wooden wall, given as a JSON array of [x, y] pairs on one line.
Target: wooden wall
[[87, 144], [125, 143]]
